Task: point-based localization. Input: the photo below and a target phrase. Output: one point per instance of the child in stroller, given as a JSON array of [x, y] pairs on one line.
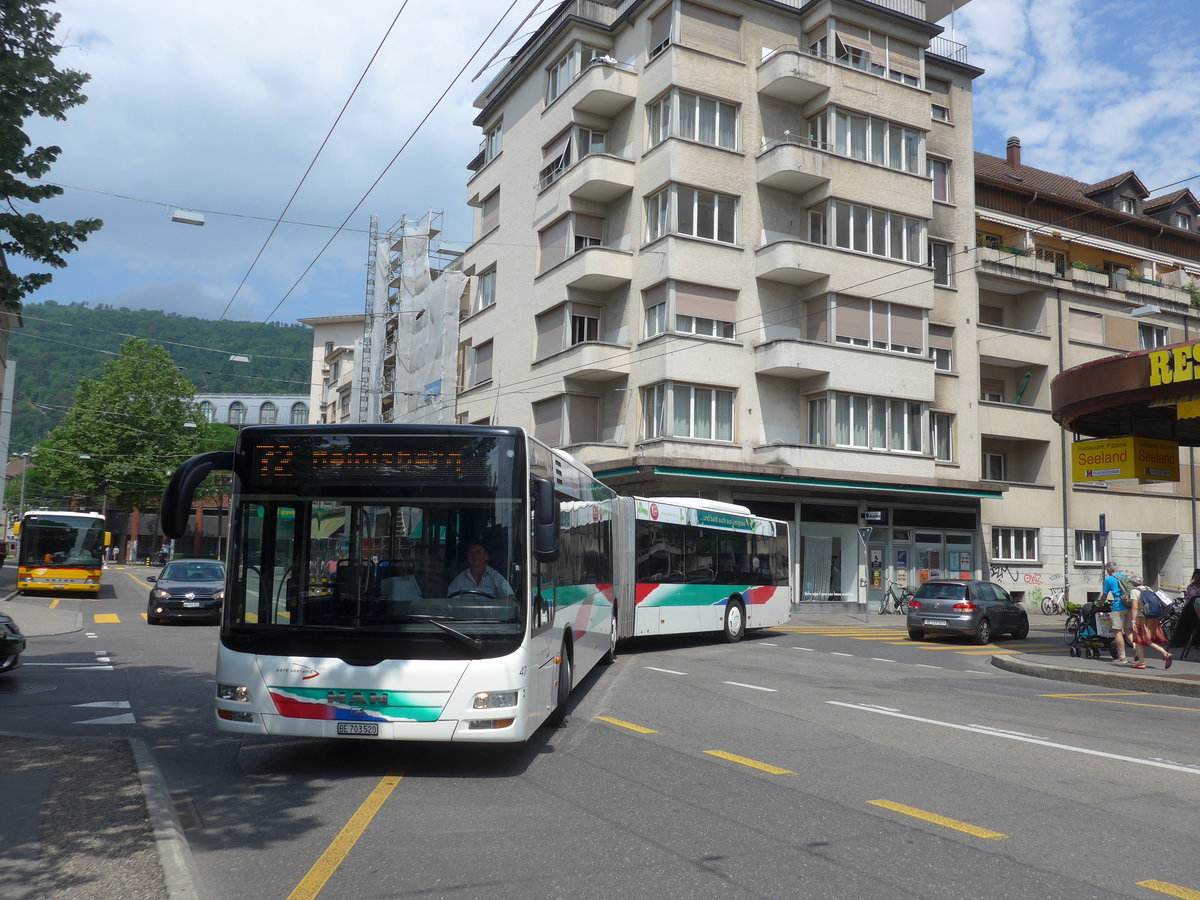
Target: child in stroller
[[1085, 636]]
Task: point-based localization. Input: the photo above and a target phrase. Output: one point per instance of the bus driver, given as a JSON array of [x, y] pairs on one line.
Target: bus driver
[[480, 577]]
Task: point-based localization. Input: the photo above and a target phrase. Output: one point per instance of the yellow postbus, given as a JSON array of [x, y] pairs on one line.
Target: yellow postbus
[[60, 551]]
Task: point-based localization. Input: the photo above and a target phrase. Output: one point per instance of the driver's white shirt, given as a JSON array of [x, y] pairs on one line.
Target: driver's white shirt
[[492, 583]]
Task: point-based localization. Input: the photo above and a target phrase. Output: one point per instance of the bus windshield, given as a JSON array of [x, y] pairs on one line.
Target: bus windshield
[[421, 568], [50, 540]]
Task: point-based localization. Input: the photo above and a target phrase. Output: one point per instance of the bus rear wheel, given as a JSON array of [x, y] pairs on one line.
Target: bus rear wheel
[[735, 622], [610, 655]]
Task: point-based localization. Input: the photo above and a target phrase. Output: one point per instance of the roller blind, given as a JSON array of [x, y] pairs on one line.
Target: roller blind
[[818, 319], [553, 244], [655, 295], [490, 213], [853, 36], [660, 28], [483, 363], [1086, 326], [550, 329], [705, 302], [547, 421], [555, 148], [589, 226], [904, 57], [708, 29], [941, 337], [852, 319], [907, 324], [583, 418], [879, 322]]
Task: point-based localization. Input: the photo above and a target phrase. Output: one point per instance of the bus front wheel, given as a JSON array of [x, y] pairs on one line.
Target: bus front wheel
[[559, 713], [735, 622]]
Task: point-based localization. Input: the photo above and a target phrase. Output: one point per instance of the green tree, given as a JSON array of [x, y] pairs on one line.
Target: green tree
[[126, 431], [31, 84]]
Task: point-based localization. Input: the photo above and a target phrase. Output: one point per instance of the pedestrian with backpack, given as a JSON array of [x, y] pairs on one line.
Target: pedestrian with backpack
[[1147, 630], [1122, 617]]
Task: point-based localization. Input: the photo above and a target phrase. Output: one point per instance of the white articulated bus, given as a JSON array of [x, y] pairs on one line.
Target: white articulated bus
[[450, 582]]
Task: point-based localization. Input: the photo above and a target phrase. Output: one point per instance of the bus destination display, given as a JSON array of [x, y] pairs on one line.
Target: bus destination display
[[284, 463]]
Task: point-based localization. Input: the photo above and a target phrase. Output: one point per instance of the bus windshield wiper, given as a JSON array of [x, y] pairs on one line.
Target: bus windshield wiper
[[439, 621]]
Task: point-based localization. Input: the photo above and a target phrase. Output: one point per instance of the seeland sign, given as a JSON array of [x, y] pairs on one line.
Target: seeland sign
[[1125, 457]]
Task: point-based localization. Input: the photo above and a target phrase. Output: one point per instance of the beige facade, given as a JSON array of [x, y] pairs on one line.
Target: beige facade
[[334, 379], [712, 256]]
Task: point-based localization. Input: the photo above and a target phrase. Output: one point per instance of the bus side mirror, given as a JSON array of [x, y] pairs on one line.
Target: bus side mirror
[[177, 496], [545, 521]]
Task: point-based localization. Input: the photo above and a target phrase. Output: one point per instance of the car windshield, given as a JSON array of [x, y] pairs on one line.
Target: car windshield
[[193, 572], [942, 592]]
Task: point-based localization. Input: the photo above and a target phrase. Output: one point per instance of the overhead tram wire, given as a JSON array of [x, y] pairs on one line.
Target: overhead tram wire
[[391, 162], [313, 161]]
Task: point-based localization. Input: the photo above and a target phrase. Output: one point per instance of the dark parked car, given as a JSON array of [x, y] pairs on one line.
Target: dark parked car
[[12, 644], [975, 609], [187, 589]]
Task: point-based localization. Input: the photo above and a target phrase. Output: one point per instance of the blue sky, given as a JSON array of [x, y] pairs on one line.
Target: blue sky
[[221, 106]]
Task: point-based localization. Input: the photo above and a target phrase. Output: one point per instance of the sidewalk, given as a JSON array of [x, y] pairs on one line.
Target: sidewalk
[[88, 818]]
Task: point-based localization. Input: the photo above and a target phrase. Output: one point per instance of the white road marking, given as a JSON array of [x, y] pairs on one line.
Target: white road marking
[[69, 665], [89, 668], [123, 719], [91, 637], [809, 649], [1053, 745], [668, 671], [103, 704], [764, 644], [881, 659], [927, 666], [836, 653], [753, 687]]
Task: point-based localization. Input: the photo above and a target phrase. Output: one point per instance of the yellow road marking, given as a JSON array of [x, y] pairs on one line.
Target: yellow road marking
[[1103, 698], [336, 852], [957, 825], [754, 764], [1171, 890], [54, 602], [638, 728], [107, 619]]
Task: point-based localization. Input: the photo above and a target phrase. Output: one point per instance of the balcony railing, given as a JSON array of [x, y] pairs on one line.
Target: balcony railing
[[914, 8]]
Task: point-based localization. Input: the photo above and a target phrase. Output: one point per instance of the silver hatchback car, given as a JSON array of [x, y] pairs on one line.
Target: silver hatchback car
[[975, 609]]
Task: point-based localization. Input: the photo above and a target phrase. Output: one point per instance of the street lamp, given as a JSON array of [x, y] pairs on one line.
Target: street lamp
[[24, 466]]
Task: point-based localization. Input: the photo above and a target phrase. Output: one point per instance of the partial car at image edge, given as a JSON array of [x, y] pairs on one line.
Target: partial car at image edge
[[12, 644]]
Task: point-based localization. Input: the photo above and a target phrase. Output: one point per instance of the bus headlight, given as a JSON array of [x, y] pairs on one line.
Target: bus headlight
[[494, 699], [238, 693]]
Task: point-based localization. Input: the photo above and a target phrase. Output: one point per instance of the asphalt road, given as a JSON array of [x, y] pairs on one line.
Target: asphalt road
[[800, 763]]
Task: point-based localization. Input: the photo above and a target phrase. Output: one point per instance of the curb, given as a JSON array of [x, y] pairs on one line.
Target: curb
[[1148, 684], [174, 854]]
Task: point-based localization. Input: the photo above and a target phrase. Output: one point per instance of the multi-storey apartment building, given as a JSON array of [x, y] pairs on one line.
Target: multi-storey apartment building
[[714, 254], [1068, 273]]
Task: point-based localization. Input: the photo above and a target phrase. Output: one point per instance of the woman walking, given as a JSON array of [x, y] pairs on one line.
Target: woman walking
[[1147, 629]]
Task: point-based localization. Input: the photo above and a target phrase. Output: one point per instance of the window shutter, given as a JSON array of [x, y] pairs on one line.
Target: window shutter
[[817, 317], [589, 227], [853, 36], [937, 85], [992, 387], [991, 315], [708, 29], [879, 322], [654, 295], [941, 337], [547, 421], [490, 213], [660, 29], [904, 57], [583, 418], [852, 319], [705, 302], [550, 330], [483, 363], [553, 244], [1086, 326], [555, 148], [907, 324]]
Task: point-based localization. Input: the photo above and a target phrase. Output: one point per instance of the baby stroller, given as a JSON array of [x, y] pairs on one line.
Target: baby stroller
[[1088, 632]]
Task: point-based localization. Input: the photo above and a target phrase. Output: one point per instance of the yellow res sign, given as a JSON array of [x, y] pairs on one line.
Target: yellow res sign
[[1174, 365], [1125, 457]]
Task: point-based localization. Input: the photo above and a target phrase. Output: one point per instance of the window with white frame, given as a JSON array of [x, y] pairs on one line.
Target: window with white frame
[[879, 325], [873, 140], [237, 413], [585, 323], [939, 90], [995, 467], [564, 326], [680, 209], [492, 142], [1181, 220], [941, 347], [682, 114], [677, 410], [1015, 544], [941, 435], [567, 236], [481, 368], [589, 141], [556, 158], [563, 70], [940, 255], [1126, 205], [299, 413], [268, 413], [818, 421], [485, 293], [1151, 336], [1057, 257], [1089, 547], [939, 173], [208, 411], [877, 53], [878, 423], [693, 308], [868, 229]]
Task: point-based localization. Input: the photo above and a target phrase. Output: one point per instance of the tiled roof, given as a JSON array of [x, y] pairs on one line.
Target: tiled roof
[[997, 169], [1115, 180], [1167, 200]]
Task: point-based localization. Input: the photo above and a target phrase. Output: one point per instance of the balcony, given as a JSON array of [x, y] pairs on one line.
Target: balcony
[[600, 177], [597, 269], [793, 163], [789, 261], [1014, 263], [844, 463], [792, 75], [604, 88], [1008, 420], [1013, 348], [588, 361], [846, 368]]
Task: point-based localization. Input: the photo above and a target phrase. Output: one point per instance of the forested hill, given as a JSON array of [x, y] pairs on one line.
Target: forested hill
[[61, 344]]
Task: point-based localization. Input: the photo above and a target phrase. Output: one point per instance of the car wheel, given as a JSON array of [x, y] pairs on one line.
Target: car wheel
[[916, 634], [735, 622], [559, 714], [1022, 631], [983, 634]]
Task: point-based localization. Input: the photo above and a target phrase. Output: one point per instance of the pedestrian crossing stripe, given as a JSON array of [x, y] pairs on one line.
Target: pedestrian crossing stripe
[[106, 619]]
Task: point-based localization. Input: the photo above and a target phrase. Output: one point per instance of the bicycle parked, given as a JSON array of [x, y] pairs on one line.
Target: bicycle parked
[[1055, 603], [895, 600]]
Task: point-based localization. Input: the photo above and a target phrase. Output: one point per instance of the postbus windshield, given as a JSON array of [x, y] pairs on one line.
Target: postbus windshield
[[61, 540], [394, 548]]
